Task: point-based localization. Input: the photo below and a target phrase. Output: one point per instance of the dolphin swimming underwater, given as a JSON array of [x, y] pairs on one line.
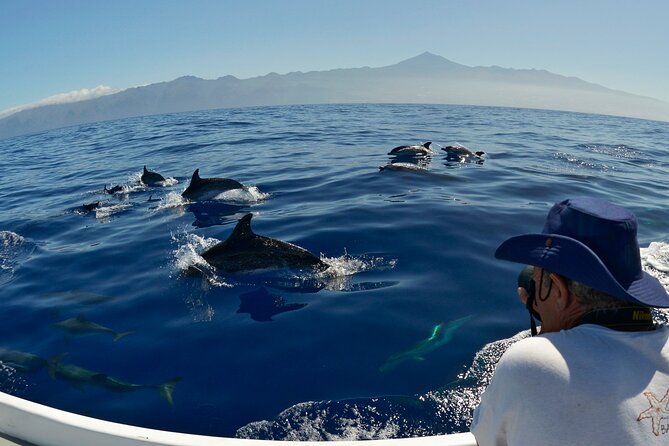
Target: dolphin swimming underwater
[[415, 150], [152, 178], [201, 189], [245, 251], [21, 361], [80, 325], [79, 375], [80, 297], [441, 334]]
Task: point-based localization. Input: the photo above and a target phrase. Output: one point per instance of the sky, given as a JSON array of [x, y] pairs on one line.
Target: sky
[[65, 49]]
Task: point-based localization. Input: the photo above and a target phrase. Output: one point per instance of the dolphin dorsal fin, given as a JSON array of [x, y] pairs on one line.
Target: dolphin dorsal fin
[[243, 228], [196, 176], [145, 171]]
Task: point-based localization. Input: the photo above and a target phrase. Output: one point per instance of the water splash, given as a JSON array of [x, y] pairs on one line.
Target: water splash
[[172, 200], [10, 381], [247, 195], [105, 212], [10, 244], [125, 189], [13, 249], [188, 259], [442, 411], [655, 261], [347, 265]]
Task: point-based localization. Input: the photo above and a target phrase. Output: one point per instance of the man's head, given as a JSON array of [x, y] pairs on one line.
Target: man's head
[[594, 243]]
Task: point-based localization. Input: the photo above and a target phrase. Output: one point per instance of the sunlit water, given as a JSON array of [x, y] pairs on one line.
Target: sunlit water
[[294, 354]]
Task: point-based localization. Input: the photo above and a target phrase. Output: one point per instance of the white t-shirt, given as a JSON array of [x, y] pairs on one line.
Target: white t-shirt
[[589, 385]]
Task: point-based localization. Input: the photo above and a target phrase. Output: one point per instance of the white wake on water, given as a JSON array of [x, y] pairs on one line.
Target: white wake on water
[[171, 201], [188, 259], [13, 249], [655, 261], [247, 195], [10, 244], [104, 212]]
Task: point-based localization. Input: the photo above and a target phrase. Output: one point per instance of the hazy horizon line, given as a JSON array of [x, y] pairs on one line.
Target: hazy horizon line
[[84, 94]]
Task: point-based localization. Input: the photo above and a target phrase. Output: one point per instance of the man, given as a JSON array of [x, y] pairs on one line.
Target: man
[[598, 374]]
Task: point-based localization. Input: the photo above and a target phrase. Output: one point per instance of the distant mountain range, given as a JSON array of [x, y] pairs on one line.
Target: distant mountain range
[[426, 78]]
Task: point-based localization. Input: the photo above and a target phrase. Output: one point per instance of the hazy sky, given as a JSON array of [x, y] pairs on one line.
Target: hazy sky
[[48, 47]]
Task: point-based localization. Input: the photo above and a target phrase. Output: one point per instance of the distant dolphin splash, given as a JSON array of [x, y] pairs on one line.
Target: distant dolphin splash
[[441, 334], [201, 189], [152, 178], [245, 251], [414, 150], [114, 189]]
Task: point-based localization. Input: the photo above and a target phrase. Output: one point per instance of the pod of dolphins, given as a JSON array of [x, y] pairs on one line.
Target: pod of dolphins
[[416, 157], [241, 251]]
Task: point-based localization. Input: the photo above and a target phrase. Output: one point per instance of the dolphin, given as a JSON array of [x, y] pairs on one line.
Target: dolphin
[[80, 325], [201, 189], [261, 305], [78, 375], [80, 297], [441, 334], [21, 361], [461, 153], [90, 206], [151, 178], [415, 150], [245, 251], [114, 189]]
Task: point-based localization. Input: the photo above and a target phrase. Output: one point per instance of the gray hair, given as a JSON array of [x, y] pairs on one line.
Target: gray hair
[[595, 299], [589, 297]]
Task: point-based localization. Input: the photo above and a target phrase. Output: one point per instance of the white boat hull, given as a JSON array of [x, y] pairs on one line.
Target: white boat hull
[[33, 423]]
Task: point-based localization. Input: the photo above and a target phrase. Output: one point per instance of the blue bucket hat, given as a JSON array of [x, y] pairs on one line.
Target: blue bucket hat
[[593, 242]]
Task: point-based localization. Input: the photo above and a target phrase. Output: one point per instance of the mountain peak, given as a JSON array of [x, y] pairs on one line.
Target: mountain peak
[[428, 60]]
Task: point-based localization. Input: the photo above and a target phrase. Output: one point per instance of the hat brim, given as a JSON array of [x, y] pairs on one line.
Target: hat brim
[[576, 261]]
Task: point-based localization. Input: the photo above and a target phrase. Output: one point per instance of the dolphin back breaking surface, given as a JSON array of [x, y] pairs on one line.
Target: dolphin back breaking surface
[[244, 250], [201, 189], [151, 178]]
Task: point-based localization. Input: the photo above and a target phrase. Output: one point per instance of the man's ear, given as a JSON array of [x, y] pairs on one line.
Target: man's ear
[[564, 297], [522, 294]]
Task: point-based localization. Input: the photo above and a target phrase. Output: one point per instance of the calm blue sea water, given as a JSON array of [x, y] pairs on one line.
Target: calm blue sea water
[[409, 250]]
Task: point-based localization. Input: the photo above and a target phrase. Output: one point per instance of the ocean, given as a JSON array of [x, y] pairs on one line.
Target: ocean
[[112, 313]]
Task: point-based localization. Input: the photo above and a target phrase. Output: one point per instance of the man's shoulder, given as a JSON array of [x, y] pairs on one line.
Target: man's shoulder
[[530, 353]]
